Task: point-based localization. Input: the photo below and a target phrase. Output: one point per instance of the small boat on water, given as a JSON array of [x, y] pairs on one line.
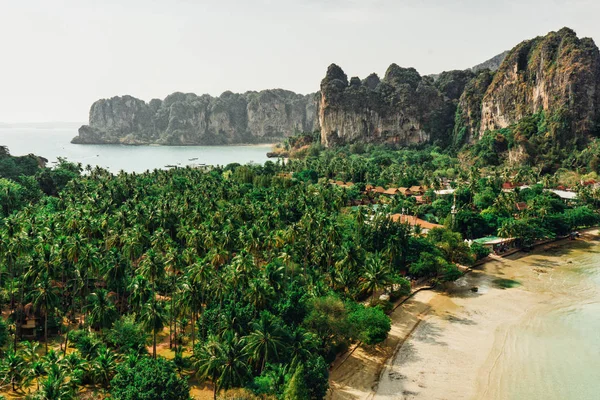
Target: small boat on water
[[170, 166], [192, 159]]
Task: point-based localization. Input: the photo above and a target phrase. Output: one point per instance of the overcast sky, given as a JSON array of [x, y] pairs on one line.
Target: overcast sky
[[58, 57]]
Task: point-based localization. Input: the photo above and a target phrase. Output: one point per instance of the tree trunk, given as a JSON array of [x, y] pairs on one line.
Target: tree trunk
[[12, 302], [66, 343], [193, 329], [21, 295], [154, 344], [46, 329], [173, 330]]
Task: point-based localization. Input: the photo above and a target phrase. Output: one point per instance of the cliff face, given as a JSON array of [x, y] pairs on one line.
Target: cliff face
[[188, 119], [555, 78], [403, 108], [468, 113], [558, 74]]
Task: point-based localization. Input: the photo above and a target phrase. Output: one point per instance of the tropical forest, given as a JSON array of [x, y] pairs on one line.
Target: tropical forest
[[243, 280]]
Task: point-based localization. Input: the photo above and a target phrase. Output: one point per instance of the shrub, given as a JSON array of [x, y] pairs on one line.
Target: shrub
[[479, 251], [370, 324], [127, 335], [149, 379]]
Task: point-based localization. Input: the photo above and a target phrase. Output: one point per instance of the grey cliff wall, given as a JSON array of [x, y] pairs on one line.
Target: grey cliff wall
[[188, 119]]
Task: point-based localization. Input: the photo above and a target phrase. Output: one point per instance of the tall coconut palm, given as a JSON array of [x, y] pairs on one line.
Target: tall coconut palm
[[375, 275], [154, 318], [45, 299], [221, 360], [267, 342], [101, 309]]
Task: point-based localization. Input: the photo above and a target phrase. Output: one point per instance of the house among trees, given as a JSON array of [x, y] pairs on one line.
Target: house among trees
[[405, 191], [418, 189], [413, 221], [498, 245], [509, 186], [28, 320], [424, 199], [392, 191]]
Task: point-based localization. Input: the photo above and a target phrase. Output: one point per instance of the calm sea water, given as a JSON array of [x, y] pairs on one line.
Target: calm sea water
[[52, 143], [554, 352]]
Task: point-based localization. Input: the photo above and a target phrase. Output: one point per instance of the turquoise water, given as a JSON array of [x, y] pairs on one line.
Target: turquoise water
[[54, 143]]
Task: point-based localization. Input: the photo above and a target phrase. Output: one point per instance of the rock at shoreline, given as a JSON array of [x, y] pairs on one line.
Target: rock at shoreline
[[187, 119]]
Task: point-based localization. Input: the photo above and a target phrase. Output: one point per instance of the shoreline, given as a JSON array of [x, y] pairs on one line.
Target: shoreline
[[379, 372], [153, 144]]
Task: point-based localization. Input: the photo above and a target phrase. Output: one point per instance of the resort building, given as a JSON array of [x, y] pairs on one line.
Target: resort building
[[412, 220]]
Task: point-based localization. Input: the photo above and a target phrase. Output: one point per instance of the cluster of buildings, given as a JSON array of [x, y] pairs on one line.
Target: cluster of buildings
[[417, 191], [372, 193]]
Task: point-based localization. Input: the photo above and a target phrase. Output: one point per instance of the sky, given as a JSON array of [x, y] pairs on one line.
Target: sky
[[59, 56]]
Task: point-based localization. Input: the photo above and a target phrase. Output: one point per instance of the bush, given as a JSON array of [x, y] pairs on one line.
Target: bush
[[401, 288], [316, 374], [371, 325], [296, 388], [127, 335], [149, 379], [87, 343], [479, 251]]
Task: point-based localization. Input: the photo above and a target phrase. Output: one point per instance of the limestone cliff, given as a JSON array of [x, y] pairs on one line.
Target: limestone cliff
[[402, 108], [188, 119], [468, 113], [555, 78], [558, 74]]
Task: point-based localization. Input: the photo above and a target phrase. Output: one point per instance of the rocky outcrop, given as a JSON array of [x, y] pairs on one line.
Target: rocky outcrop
[[554, 79], [402, 108], [492, 64], [558, 74], [188, 119]]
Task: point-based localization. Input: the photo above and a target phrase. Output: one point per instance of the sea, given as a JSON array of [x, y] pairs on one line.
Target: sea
[[52, 141]]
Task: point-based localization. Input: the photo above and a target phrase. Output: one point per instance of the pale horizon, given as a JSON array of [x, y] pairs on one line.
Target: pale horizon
[[61, 56]]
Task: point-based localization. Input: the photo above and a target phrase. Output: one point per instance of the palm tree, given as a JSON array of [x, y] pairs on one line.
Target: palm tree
[[45, 299], [56, 386], [30, 351], [154, 318], [34, 372], [303, 344], [210, 361], [267, 341], [375, 275], [13, 366], [104, 366], [101, 309], [222, 362]]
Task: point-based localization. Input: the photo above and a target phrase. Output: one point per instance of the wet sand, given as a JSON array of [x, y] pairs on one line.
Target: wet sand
[[489, 344], [443, 356]]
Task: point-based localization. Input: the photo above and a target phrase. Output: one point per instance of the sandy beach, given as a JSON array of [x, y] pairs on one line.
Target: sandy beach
[[462, 344]]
